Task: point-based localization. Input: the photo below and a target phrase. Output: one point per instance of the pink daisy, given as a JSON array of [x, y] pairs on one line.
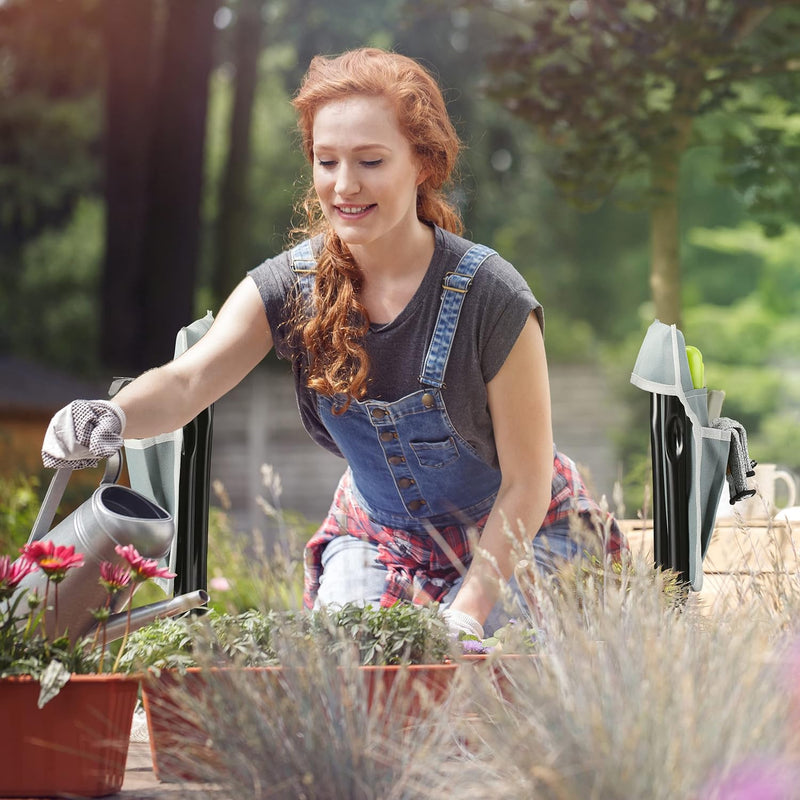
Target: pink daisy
[[142, 569], [55, 560], [114, 577], [11, 573]]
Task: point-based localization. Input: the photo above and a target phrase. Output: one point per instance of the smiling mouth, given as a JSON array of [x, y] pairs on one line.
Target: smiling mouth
[[354, 211]]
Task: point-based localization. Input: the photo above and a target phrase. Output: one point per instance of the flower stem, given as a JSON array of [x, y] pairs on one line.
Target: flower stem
[[127, 629], [55, 614], [44, 611], [97, 633], [103, 650]]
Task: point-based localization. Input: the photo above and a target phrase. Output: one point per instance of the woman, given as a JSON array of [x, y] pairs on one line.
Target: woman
[[417, 356]]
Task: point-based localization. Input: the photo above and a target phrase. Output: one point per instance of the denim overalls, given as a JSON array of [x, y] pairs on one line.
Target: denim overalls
[[410, 470], [410, 466]]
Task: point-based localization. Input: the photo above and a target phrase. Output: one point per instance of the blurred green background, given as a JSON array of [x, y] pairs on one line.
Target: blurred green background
[[148, 158]]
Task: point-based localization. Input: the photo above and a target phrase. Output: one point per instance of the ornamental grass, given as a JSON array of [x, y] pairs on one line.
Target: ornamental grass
[[636, 689]]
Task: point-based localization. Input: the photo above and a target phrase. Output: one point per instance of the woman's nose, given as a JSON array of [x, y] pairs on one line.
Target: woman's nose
[[346, 180]]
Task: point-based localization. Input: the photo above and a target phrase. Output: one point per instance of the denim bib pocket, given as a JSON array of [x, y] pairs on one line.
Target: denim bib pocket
[[435, 454]]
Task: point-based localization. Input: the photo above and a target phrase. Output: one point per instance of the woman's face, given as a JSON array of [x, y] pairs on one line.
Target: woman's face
[[365, 173]]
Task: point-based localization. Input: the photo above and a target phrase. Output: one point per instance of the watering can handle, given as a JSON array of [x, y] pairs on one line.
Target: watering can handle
[[47, 513]]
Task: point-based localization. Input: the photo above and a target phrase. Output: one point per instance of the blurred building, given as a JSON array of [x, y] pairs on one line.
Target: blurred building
[[30, 394]]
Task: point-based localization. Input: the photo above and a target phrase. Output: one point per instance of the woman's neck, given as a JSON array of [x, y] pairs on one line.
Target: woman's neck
[[393, 271], [397, 255]]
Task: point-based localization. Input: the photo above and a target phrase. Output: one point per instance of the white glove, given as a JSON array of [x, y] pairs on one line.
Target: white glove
[[82, 433], [458, 622]]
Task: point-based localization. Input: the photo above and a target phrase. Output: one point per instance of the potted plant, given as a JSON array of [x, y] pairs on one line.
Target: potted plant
[[398, 660], [68, 706]]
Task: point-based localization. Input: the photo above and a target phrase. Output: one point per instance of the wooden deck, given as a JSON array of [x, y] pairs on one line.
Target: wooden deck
[[742, 557], [140, 782]]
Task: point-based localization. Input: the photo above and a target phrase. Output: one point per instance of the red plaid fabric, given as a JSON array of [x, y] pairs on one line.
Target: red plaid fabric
[[418, 569], [574, 497]]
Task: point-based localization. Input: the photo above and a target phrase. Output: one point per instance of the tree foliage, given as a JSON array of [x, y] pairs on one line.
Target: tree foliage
[[616, 87], [49, 134]]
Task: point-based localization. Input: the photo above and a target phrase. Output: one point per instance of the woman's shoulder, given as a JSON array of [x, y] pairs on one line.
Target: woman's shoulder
[[303, 249], [494, 269], [451, 244], [276, 276]]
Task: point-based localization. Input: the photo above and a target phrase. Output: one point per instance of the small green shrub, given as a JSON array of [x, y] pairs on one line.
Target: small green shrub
[[402, 634], [19, 505]]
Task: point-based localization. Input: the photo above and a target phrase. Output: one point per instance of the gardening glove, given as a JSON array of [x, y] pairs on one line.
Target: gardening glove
[[458, 622], [740, 466], [82, 433]]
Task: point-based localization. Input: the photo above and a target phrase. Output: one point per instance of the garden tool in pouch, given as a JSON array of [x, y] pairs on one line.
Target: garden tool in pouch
[[740, 465], [113, 515], [691, 456]]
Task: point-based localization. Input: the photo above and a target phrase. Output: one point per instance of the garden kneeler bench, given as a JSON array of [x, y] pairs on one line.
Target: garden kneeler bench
[[691, 455], [174, 470]]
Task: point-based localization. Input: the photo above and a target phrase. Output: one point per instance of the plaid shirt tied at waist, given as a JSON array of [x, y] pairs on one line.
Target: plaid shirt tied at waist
[[418, 568]]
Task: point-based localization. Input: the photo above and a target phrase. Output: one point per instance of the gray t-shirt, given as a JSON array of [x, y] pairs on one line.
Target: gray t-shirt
[[494, 312]]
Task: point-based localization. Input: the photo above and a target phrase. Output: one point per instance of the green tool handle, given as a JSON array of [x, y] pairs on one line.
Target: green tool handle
[[696, 367]]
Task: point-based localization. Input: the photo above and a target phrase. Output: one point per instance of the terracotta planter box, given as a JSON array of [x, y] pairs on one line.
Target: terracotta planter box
[[76, 745], [501, 669], [172, 734]]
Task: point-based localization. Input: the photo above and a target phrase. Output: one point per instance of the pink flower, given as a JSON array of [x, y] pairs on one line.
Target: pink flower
[[129, 553], [55, 560], [219, 584], [142, 569], [114, 577], [12, 573], [763, 778]]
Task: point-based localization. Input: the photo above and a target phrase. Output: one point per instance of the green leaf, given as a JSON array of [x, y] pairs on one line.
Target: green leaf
[[53, 679]]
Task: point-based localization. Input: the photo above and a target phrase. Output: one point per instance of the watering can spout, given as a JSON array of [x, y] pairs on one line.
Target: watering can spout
[[144, 615]]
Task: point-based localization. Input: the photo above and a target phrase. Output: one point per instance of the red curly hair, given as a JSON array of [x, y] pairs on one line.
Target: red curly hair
[[334, 332]]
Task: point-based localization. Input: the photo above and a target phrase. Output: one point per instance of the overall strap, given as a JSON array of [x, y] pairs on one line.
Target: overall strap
[[305, 267], [455, 287]]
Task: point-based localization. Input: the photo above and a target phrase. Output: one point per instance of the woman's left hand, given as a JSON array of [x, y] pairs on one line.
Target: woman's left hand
[[458, 622]]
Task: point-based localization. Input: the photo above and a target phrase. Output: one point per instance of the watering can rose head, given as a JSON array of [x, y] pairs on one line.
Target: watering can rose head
[[25, 646]]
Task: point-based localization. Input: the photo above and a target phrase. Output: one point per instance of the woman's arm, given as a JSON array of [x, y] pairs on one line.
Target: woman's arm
[[166, 398], [519, 403]]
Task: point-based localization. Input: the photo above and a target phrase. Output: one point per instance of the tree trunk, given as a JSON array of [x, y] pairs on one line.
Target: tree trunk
[[176, 177], [234, 200], [129, 46], [665, 265]]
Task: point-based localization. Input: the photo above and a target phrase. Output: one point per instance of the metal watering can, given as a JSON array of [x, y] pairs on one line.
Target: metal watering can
[[113, 515]]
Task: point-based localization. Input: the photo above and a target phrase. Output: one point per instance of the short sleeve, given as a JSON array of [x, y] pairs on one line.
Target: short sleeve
[[506, 301], [276, 284]]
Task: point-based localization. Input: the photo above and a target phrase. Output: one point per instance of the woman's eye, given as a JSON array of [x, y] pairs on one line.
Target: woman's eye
[[323, 163], [376, 163]]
